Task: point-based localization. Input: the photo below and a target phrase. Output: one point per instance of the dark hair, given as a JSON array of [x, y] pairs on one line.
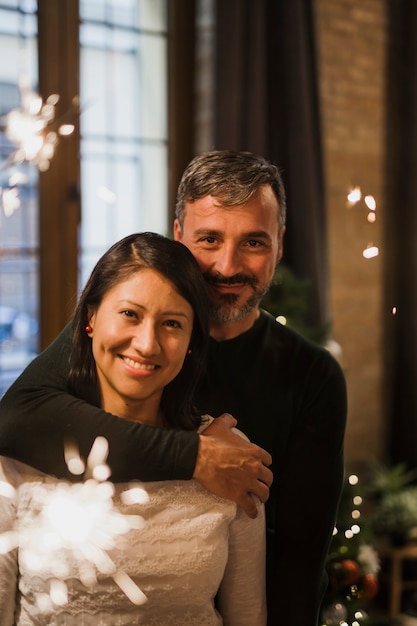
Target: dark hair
[[176, 263], [232, 178]]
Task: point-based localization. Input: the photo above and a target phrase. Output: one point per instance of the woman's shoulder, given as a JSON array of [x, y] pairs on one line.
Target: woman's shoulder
[[206, 420]]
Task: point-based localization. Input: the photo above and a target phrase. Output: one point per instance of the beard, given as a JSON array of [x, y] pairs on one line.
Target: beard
[[226, 308]]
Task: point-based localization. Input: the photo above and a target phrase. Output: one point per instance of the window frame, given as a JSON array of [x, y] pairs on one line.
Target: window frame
[[59, 186]]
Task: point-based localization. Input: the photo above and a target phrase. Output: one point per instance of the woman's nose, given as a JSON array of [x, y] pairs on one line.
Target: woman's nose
[[145, 339]]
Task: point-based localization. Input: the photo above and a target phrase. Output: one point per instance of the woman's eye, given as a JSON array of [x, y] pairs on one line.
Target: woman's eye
[[173, 324], [128, 313]]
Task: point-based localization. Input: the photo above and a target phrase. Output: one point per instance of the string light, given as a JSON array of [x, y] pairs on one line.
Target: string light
[[354, 196], [370, 251]]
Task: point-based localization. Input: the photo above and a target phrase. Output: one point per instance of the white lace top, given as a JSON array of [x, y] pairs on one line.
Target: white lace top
[[192, 547]]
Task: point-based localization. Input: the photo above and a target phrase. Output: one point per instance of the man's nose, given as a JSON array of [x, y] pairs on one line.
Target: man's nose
[[228, 261]]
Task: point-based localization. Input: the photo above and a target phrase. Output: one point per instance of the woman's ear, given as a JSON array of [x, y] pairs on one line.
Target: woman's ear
[[90, 326]]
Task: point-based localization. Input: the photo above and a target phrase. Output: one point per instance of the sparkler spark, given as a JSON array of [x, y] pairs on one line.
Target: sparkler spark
[[74, 525], [33, 129]]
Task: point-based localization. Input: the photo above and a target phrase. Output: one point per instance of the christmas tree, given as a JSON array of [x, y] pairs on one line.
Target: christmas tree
[[288, 300], [352, 566]]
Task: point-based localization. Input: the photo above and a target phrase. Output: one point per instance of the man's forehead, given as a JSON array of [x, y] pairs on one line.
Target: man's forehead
[[210, 210]]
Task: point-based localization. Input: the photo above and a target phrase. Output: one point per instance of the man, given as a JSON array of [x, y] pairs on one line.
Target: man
[[287, 394]]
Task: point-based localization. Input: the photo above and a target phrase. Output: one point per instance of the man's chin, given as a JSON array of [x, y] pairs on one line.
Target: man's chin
[[228, 314]]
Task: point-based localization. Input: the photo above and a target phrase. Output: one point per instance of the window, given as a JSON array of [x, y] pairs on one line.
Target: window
[[122, 49], [123, 122], [19, 243]]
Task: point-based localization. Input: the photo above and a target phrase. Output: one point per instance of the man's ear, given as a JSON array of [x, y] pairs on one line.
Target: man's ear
[[177, 231], [280, 245]]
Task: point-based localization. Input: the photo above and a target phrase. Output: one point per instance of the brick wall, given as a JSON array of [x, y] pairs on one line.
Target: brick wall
[[351, 37]]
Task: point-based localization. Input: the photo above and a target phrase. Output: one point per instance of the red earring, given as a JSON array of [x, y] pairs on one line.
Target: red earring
[[88, 329], [189, 351]]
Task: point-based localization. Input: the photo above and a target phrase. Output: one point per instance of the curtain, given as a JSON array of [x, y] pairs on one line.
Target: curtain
[[266, 101], [401, 235]]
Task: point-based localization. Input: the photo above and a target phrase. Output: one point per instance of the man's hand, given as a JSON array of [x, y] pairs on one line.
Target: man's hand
[[231, 467]]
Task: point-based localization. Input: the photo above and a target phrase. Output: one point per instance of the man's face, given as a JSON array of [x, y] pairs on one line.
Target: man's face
[[237, 249]]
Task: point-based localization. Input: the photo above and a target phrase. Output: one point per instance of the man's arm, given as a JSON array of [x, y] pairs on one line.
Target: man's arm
[[38, 415]]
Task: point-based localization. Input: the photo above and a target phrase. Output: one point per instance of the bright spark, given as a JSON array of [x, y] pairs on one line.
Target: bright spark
[[10, 200], [370, 251], [354, 196], [77, 523], [370, 203]]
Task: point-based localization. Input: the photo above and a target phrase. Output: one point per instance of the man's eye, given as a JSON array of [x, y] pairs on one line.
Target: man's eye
[[253, 243], [209, 239]]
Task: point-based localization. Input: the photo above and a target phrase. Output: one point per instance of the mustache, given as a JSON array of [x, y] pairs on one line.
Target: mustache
[[219, 279]]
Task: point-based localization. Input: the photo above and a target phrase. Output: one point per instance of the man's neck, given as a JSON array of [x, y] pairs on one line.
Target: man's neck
[[223, 332]]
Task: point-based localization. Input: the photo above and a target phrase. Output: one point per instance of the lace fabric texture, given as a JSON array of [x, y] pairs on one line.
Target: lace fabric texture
[[191, 544]]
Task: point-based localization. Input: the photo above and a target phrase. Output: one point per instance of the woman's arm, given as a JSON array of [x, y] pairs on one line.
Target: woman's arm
[[242, 595]]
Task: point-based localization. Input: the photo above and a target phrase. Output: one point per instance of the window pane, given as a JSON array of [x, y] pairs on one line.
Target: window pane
[[19, 297], [123, 122]]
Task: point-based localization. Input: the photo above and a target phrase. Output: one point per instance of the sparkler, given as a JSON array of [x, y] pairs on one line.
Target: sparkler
[[33, 129], [76, 523]]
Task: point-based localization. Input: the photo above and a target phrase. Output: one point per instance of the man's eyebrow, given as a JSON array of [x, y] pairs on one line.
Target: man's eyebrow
[[207, 231], [258, 234], [255, 234]]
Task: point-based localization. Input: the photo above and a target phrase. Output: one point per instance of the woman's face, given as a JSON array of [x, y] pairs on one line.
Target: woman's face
[[140, 335]]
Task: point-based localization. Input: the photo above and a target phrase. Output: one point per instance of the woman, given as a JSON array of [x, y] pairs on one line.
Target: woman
[[139, 339]]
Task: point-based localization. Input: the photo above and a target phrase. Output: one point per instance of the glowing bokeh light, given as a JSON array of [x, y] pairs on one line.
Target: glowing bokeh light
[[370, 203], [10, 200], [354, 195], [370, 251], [66, 129], [104, 193]]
